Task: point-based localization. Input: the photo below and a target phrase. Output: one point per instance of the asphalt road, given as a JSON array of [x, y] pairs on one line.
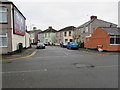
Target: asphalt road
[[56, 67]]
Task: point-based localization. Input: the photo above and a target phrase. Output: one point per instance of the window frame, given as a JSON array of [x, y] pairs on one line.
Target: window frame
[[115, 39], [70, 33], [4, 35], [1, 12]]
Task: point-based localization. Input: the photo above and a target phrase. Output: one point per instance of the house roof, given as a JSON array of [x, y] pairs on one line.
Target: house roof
[[50, 29], [89, 22], [67, 28], [112, 30]]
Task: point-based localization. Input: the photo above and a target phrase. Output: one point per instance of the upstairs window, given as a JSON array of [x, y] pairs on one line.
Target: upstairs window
[[65, 34], [3, 15], [69, 33]]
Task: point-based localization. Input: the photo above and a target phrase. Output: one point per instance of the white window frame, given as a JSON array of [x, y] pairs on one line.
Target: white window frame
[[5, 11], [4, 35], [114, 40]]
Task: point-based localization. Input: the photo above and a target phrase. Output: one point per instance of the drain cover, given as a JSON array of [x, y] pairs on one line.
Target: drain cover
[[79, 65]]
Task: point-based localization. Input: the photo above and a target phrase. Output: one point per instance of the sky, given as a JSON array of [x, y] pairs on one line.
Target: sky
[[62, 13]]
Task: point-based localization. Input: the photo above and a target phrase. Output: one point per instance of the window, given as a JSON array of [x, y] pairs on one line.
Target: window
[[86, 29], [3, 40], [66, 40], [45, 34], [115, 39], [65, 33], [3, 15], [69, 33]]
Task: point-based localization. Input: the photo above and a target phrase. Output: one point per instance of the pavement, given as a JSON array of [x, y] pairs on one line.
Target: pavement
[[94, 51], [24, 54]]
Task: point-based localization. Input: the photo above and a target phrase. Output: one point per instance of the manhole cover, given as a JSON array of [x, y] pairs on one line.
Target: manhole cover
[[78, 65]]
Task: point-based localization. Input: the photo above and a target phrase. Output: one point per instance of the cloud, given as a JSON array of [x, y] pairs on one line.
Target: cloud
[[63, 14]]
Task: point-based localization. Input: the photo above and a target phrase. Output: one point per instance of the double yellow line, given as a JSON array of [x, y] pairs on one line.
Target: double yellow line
[[20, 57]]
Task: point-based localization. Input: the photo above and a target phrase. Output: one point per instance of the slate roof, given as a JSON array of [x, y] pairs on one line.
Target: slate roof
[[112, 30], [49, 30], [67, 28], [89, 22]]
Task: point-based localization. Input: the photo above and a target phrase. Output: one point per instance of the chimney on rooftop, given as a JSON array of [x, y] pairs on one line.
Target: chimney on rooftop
[[50, 27], [34, 28], [93, 17]]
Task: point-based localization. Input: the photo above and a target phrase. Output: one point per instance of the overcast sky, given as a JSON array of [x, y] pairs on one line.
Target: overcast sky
[[63, 13]]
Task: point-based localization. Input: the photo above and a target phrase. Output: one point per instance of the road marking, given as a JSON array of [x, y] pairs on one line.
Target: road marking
[[27, 71], [20, 57]]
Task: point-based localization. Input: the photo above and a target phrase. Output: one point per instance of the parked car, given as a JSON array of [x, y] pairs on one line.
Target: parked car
[[40, 45], [64, 44], [46, 44], [72, 45]]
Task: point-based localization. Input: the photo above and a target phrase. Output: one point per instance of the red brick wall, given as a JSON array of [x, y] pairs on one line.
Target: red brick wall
[[100, 37]]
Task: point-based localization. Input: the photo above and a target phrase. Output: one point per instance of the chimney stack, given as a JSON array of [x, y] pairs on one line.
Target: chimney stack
[[93, 17], [50, 27]]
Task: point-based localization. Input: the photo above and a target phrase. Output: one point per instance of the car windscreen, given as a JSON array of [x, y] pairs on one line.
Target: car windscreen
[[40, 43]]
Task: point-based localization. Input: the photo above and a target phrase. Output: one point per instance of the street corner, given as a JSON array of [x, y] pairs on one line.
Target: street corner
[[105, 53], [24, 54]]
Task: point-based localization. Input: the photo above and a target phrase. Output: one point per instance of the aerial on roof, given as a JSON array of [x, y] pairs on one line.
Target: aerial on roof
[[112, 30]]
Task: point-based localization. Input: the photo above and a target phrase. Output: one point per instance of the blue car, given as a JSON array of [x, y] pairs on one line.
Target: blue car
[[72, 45]]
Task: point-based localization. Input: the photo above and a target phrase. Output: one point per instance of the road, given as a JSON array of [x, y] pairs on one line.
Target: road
[[56, 67]]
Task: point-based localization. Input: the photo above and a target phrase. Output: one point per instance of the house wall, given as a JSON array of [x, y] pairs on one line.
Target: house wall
[[59, 37], [12, 39], [27, 40], [50, 37], [100, 37], [67, 36], [91, 28], [41, 37], [7, 28]]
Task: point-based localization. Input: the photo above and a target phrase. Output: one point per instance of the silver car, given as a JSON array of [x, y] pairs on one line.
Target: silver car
[[40, 45]]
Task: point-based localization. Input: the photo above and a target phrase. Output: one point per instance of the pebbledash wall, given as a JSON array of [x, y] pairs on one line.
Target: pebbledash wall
[[11, 37]]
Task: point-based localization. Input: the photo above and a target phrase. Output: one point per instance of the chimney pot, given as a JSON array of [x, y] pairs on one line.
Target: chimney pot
[[93, 17], [50, 27]]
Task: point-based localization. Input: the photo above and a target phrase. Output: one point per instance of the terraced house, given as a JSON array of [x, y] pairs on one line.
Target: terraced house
[[13, 34], [48, 35], [86, 29], [65, 34]]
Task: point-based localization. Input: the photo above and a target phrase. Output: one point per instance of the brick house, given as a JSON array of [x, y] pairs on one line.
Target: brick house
[[105, 38], [86, 29]]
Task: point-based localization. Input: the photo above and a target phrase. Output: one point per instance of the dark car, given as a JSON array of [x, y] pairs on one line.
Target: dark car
[[64, 44], [72, 45], [40, 46]]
